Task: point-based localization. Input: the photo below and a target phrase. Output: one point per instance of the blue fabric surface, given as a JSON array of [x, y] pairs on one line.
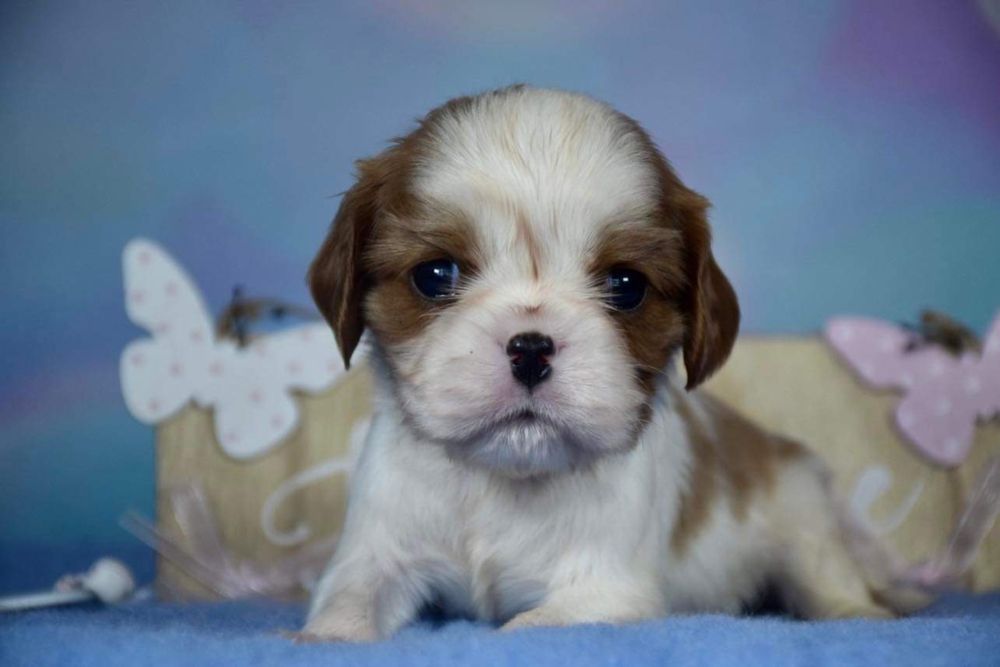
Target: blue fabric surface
[[958, 630]]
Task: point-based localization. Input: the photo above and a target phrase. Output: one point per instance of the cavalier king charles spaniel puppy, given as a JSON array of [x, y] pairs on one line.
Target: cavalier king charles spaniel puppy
[[528, 266]]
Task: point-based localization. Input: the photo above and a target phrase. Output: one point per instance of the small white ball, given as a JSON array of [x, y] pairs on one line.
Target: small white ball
[[110, 580]]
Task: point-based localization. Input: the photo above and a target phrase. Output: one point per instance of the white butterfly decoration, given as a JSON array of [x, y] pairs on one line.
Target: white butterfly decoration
[[249, 388]]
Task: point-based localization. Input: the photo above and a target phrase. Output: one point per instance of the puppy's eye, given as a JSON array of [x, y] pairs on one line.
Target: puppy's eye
[[436, 279], [625, 288]]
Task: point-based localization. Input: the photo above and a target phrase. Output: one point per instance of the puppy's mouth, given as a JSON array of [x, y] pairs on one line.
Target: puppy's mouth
[[519, 444], [530, 420], [522, 417]]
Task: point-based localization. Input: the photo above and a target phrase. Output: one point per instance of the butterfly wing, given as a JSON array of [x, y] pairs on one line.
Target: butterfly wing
[[161, 297], [940, 411], [933, 416], [937, 417], [252, 387], [152, 385], [248, 388], [160, 374], [253, 411], [984, 383], [305, 357], [880, 352]]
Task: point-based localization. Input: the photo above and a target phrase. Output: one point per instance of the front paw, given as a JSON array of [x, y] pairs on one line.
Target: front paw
[[539, 617], [337, 627], [300, 637]]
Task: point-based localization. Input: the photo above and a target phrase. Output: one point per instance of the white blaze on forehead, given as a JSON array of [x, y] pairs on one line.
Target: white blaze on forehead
[[561, 163]]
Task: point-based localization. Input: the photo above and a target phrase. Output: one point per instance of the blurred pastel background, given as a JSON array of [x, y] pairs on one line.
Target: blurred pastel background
[[851, 149]]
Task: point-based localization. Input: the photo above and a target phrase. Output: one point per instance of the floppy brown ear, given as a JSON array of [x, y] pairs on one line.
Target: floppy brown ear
[[337, 278], [713, 313]]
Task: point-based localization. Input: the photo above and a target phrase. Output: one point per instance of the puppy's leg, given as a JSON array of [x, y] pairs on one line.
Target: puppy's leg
[[823, 581], [365, 596], [821, 578], [592, 602], [349, 615]]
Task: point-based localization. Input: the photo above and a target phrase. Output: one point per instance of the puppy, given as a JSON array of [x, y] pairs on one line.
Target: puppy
[[528, 266]]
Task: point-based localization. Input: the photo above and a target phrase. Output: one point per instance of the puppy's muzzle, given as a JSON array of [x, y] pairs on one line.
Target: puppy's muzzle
[[529, 357]]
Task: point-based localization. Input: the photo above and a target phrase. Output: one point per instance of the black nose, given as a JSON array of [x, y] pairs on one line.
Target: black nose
[[529, 354]]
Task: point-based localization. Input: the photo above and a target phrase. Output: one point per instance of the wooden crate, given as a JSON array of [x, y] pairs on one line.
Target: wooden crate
[[792, 385]]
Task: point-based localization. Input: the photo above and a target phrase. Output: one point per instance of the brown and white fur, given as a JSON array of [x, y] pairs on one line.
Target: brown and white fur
[[605, 494]]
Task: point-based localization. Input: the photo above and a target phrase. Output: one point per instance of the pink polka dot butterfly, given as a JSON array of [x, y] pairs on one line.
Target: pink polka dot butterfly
[[947, 391]]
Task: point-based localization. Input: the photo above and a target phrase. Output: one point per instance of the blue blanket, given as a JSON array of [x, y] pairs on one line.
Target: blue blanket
[[958, 630]]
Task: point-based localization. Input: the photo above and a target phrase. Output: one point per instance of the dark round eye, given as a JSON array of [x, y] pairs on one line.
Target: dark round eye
[[436, 279], [625, 288]]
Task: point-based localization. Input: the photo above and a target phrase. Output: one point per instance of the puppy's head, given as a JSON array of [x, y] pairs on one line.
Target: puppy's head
[[527, 263]]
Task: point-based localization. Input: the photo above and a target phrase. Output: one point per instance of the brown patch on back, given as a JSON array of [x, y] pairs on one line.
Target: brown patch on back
[[697, 501], [732, 457]]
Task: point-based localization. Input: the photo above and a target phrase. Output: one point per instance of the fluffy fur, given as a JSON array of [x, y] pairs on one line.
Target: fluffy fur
[[606, 494]]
